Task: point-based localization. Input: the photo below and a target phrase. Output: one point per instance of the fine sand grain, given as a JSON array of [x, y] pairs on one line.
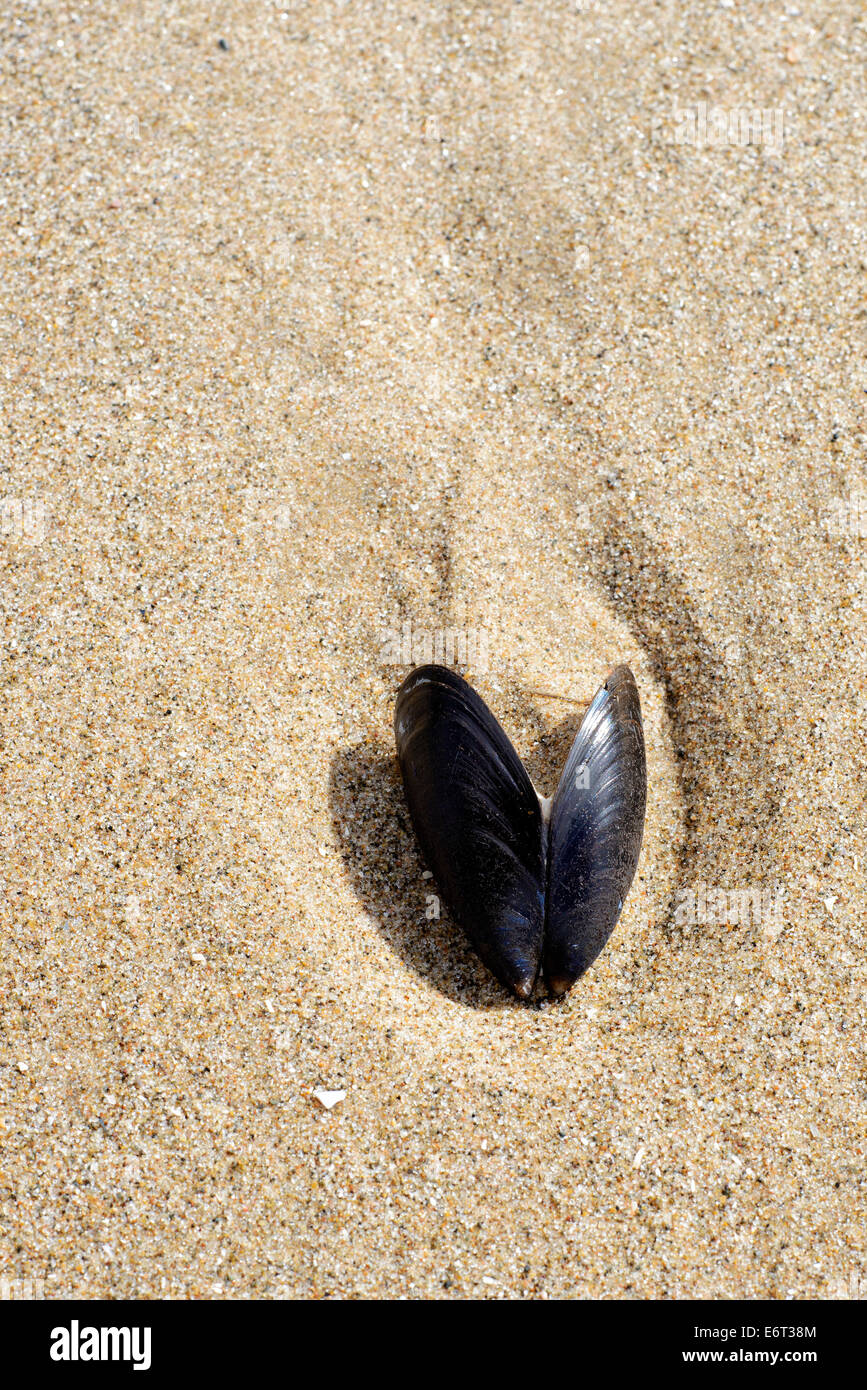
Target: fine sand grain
[[385, 314]]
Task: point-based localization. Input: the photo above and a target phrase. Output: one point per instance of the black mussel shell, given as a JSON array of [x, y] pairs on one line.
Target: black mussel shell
[[532, 890], [477, 818], [597, 823]]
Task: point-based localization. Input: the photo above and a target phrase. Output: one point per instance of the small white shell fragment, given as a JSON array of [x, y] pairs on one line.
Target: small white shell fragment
[[197, 957], [328, 1098], [639, 1158]]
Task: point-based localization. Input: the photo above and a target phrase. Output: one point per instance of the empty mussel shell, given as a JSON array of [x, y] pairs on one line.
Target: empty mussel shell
[[536, 885]]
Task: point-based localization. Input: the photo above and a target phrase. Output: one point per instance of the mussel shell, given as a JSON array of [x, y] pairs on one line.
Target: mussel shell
[[478, 820], [531, 890], [597, 823]]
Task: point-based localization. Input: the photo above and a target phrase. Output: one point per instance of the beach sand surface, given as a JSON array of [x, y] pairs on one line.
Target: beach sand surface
[[318, 321]]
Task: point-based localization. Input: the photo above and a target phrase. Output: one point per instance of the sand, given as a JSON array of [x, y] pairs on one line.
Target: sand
[[318, 320]]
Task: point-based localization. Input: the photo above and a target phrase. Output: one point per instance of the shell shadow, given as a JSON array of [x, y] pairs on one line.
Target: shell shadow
[[722, 729], [385, 866]]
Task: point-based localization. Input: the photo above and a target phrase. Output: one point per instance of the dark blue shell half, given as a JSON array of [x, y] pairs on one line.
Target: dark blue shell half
[[478, 820], [597, 821]]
